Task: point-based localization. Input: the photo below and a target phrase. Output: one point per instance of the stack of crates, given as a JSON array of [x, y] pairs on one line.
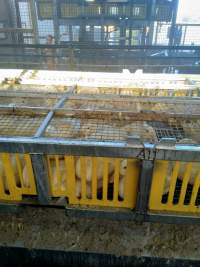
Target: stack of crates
[[132, 147]]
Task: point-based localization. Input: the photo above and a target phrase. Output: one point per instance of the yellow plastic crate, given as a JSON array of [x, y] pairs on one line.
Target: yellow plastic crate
[[16, 177], [175, 187], [79, 179]]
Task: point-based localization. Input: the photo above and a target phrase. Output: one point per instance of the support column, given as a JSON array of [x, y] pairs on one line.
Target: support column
[[173, 24], [41, 177], [144, 189], [149, 38], [56, 22], [34, 21]]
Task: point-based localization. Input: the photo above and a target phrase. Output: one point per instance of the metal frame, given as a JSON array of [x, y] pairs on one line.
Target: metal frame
[[96, 46], [120, 215], [41, 176], [144, 189], [103, 4], [48, 2], [147, 153], [1, 31], [50, 115], [37, 146]]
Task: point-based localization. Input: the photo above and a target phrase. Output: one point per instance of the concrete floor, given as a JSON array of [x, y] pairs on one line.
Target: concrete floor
[[43, 228]]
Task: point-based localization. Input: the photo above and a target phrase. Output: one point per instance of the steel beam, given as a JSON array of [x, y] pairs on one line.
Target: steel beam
[[50, 115], [96, 46], [144, 189], [41, 178]]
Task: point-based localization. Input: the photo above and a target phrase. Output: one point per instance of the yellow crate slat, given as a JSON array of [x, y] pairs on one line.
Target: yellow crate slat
[[71, 183], [14, 191], [186, 178], [83, 178], [131, 182], [105, 179], [60, 180], [31, 188], [195, 189], [87, 193], [58, 174], [158, 183], [173, 182], [15, 183], [50, 175], [58, 185], [2, 190], [116, 180], [155, 201], [94, 178]]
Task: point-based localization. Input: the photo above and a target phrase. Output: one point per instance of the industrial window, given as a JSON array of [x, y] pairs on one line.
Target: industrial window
[[127, 37], [136, 37], [87, 28], [97, 33], [92, 10], [45, 9], [69, 10], [75, 33], [163, 12], [113, 10], [26, 21], [191, 35], [139, 11], [45, 27], [161, 33], [136, 11], [25, 14], [64, 33], [111, 34], [2, 34]]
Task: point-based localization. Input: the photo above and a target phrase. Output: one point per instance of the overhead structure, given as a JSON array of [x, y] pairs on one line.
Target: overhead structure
[[97, 35]]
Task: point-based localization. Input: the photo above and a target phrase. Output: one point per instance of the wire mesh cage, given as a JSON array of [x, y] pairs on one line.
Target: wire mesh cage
[[97, 121], [17, 125]]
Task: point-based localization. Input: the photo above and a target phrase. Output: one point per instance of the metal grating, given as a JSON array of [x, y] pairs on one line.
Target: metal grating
[[103, 129], [166, 130], [189, 129], [99, 129], [19, 125], [102, 118], [176, 133], [183, 131]]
